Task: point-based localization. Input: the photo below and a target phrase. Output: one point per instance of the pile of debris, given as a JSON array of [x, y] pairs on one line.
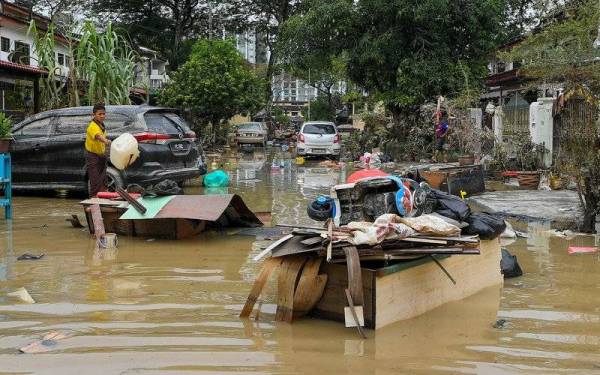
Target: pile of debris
[[357, 240]]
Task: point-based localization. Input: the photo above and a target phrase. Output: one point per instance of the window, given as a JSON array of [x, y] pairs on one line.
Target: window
[[21, 55], [117, 120], [161, 123], [72, 125], [39, 128], [5, 44], [318, 129], [67, 61], [61, 59]]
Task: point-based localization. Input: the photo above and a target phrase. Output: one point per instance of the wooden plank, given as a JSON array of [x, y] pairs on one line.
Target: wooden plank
[[137, 205], [274, 245], [332, 303], [302, 295], [358, 323], [354, 275], [286, 286], [97, 220], [330, 237], [265, 272], [312, 241], [426, 287], [308, 295]]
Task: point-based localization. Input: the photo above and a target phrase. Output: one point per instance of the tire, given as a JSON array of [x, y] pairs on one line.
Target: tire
[[317, 212], [114, 179]]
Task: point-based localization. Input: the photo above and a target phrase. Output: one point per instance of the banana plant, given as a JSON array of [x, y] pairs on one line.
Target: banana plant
[[102, 66]]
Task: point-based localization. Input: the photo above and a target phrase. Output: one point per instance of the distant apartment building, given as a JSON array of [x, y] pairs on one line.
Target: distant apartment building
[[252, 47], [293, 94]]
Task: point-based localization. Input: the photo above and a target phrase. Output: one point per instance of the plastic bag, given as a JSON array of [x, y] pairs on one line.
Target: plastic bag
[[487, 226], [218, 178], [509, 265], [429, 224], [451, 206], [165, 187]]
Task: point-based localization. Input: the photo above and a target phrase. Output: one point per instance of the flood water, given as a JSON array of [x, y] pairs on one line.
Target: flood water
[[171, 307]]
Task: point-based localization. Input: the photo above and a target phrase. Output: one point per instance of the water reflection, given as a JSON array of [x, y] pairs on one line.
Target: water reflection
[[172, 306]]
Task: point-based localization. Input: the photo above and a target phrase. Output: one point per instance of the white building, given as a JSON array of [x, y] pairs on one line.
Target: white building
[[288, 89], [151, 70], [19, 62]]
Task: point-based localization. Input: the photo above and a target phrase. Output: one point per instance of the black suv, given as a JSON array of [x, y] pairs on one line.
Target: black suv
[[48, 152]]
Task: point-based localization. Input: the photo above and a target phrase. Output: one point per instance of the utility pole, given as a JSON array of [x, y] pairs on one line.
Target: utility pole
[[309, 99]]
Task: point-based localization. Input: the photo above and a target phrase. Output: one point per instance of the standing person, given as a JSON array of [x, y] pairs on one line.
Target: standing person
[[95, 150], [441, 133]]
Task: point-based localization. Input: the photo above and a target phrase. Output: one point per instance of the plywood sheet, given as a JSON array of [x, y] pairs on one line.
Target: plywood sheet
[[153, 206]]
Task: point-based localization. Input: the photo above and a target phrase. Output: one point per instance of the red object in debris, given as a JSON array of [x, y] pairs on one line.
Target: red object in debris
[[366, 173], [114, 195], [510, 174], [582, 250]]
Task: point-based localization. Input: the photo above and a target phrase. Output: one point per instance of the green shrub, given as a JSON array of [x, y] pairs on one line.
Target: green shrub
[[5, 126]]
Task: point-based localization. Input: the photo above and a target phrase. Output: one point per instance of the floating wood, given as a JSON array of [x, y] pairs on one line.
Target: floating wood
[[265, 272], [47, 343], [286, 285], [137, 205]]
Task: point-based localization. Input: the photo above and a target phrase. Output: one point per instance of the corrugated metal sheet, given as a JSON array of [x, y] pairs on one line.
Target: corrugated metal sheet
[[229, 207]]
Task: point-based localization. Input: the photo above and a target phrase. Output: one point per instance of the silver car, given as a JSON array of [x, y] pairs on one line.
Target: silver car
[[318, 138], [251, 133]]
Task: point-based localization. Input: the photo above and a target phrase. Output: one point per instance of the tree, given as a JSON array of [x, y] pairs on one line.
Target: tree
[[404, 51], [266, 17], [214, 85], [563, 53], [168, 26]]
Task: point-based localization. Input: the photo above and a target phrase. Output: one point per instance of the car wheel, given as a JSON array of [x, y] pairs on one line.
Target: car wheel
[[113, 179]]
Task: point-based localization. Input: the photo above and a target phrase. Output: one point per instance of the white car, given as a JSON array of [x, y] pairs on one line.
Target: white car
[[318, 138]]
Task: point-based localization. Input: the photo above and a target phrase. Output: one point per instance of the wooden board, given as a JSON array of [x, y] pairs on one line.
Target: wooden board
[[267, 269], [408, 291], [331, 306], [310, 287], [288, 276], [427, 287]]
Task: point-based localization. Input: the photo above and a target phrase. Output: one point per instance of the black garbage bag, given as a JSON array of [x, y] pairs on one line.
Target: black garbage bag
[[450, 206], [509, 265], [165, 187], [487, 226]]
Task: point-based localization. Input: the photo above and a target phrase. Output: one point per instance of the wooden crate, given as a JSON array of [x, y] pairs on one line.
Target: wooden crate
[[409, 289]]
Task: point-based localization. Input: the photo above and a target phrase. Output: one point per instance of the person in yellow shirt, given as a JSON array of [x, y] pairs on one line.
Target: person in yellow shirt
[[96, 150]]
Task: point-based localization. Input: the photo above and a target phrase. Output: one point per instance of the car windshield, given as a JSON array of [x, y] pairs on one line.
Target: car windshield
[[318, 129], [165, 123], [251, 126]]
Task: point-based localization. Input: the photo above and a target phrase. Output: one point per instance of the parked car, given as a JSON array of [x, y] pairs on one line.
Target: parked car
[[252, 133], [48, 151], [318, 138]]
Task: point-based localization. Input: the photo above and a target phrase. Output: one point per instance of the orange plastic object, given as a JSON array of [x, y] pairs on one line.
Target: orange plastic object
[[582, 250]]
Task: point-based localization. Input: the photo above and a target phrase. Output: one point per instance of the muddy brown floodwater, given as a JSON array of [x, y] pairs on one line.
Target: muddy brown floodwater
[[171, 307]]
